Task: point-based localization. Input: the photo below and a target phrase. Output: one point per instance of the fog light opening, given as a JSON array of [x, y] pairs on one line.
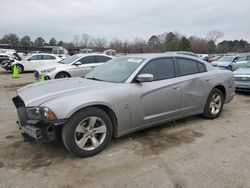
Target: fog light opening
[[50, 129]]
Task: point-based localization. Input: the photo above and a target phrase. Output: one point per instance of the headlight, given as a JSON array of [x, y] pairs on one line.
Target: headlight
[[40, 113], [48, 70]]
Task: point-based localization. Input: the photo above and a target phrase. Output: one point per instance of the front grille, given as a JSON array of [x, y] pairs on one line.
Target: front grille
[[242, 78], [18, 102]]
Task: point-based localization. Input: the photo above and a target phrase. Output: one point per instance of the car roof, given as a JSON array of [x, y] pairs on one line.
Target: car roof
[[149, 56], [89, 54], [42, 54]]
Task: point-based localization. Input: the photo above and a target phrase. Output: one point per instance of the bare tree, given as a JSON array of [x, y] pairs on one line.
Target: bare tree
[[76, 40], [86, 39], [100, 43], [214, 35]]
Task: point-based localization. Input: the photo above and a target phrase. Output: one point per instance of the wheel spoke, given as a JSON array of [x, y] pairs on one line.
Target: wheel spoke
[[92, 122], [213, 110], [101, 129], [80, 129], [94, 141], [81, 143], [217, 106], [217, 99]]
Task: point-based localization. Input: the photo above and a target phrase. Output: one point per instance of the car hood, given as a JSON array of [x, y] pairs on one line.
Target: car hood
[[52, 65], [242, 71], [41, 92]]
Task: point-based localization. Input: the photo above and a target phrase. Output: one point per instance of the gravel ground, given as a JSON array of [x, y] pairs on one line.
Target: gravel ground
[[192, 152]]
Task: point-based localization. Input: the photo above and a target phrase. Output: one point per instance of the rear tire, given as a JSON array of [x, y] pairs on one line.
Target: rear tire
[[87, 132], [62, 75], [214, 104]]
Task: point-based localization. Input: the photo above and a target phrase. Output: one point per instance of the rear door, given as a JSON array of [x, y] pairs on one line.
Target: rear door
[[156, 101], [195, 85]]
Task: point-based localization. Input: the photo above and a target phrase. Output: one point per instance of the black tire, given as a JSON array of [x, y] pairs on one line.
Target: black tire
[[69, 132], [62, 75], [20, 68], [208, 109], [230, 67]]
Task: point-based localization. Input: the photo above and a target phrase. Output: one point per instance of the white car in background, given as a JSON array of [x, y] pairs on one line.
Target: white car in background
[[34, 61], [77, 65]]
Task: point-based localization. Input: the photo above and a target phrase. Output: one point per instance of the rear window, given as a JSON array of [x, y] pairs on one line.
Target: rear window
[[201, 67], [187, 66], [88, 60], [102, 59]]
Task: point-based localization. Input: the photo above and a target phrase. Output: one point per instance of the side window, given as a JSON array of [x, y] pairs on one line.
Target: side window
[[35, 57], [48, 57], [160, 68], [187, 66], [102, 59], [201, 67], [88, 59]]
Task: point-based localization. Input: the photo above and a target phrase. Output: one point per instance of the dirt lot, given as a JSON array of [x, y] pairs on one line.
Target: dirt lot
[[191, 152]]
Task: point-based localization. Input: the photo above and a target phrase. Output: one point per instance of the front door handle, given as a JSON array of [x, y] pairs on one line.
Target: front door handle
[[176, 87]]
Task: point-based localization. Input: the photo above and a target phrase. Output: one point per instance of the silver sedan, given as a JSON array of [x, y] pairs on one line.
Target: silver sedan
[[122, 96]]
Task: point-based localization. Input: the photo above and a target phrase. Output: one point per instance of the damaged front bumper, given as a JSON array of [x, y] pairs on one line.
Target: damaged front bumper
[[43, 131]]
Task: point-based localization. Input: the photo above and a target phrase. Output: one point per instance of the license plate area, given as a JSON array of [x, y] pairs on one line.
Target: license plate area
[[32, 131]]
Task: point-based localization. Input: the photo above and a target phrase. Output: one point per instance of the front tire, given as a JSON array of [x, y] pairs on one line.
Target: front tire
[[87, 132], [214, 104], [62, 75], [20, 68]]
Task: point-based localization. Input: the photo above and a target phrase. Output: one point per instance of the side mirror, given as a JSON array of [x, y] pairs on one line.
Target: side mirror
[[77, 63], [145, 78]]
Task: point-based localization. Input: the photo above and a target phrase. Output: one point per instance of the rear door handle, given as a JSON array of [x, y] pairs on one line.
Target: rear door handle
[[208, 80]]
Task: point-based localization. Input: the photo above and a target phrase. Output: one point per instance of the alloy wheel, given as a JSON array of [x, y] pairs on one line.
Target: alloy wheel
[[215, 104], [90, 133]]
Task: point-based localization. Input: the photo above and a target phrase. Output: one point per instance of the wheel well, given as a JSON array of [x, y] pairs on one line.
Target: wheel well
[[222, 89], [62, 72], [109, 112], [20, 65]]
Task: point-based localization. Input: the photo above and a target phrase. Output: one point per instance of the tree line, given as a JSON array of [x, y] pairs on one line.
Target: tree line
[[168, 41]]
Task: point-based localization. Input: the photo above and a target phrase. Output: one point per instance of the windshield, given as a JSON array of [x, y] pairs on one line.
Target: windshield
[[69, 60], [227, 58], [116, 70]]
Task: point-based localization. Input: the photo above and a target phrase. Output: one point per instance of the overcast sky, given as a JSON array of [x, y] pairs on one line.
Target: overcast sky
[[124, 19]]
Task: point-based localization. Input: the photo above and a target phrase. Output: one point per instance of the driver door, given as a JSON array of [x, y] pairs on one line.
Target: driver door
[[159, 100], [33, 62]]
